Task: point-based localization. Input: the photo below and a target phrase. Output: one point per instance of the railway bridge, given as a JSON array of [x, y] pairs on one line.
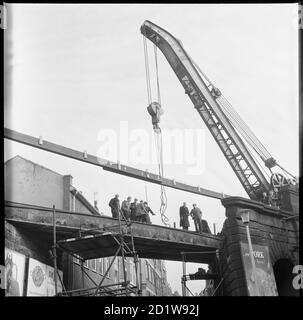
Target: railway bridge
[[150, 241], [274, 234]]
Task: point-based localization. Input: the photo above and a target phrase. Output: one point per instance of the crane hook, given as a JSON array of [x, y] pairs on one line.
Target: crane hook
[[156, 111]]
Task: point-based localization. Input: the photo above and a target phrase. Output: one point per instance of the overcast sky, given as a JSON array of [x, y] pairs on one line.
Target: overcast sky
[[73, 70]]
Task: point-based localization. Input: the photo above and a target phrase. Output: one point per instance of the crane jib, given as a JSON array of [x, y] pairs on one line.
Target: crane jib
[[203, 96]]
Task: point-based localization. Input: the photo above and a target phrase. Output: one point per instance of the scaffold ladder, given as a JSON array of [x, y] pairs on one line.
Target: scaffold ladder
[[124, 249]]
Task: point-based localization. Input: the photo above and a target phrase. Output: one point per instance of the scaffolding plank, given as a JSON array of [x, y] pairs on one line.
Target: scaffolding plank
[[99, 246]]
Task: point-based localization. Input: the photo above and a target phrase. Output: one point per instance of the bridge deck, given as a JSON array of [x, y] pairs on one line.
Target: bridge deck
[[151, 241]]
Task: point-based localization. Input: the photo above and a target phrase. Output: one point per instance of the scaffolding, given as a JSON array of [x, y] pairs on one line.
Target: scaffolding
[[200, 274], [87, 246]]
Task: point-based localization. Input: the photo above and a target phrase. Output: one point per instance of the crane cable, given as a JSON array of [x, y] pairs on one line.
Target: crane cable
[[246, 131], [157, 73], [264, 155], [255, 144], [163, 195], [238, 121], [261, 150], [147, 73], [157, 132]]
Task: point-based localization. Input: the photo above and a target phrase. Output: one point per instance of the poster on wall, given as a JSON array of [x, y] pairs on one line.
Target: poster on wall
[[264, 283], [14, 272], [50, 289], [41, 279]]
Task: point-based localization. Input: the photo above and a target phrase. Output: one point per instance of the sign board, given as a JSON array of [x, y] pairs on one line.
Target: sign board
[[14, 273], [264, 283], [41, 281], [50, 288]]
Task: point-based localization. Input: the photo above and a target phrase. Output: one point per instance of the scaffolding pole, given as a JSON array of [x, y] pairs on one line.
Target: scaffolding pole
[[55, 249], [184, 291], [54, 255], [107, 271], [124, 226], [121, 234], [184, 277]]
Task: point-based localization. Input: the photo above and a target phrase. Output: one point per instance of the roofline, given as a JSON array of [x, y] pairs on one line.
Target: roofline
[[80, 197], [32, 162], [85, 202]]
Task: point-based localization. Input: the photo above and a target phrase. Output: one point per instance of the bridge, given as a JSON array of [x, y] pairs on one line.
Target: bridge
[[151, 241], [271, 228]]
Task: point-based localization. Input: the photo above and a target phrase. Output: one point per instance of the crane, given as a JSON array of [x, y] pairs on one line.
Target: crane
[[223, 122]]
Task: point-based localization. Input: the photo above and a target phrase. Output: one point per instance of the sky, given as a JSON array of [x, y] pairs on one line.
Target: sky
[[74, 71]]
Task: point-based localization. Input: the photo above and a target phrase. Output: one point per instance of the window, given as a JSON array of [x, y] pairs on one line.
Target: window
[[116, 262], [146, 270], [85, 263], [132, 272], [121, 273], [76, 259], [151, 274], [109, 259], [92, 264], [106, 264], [99, 266]]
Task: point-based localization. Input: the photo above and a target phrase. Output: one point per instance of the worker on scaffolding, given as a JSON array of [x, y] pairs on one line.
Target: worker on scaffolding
[[115, 206], [125, 208], [184, 214], [264, 198], [133, 210], [273, 198], [140, 213], [196, 215], [147, 210], [277, 197]]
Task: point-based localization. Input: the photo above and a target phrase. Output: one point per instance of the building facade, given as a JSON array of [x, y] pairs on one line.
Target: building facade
[[31, 184]]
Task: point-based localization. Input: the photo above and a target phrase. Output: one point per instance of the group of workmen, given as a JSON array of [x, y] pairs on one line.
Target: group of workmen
[[131, 211], [271, 198], [139, 212], [196, 215]]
